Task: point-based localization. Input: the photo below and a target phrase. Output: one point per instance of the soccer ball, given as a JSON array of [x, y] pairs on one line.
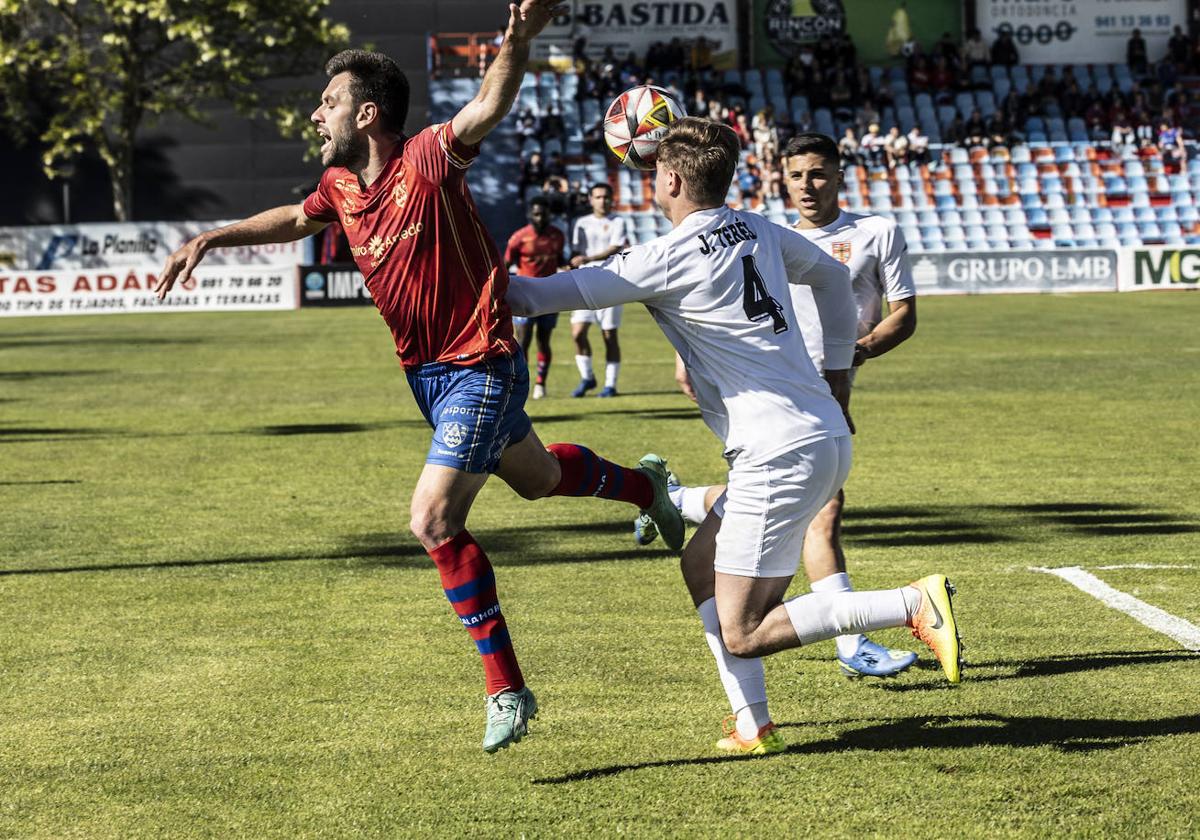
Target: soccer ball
[[635, 122]]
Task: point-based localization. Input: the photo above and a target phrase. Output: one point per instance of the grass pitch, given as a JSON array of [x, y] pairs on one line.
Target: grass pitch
[[213, 622]]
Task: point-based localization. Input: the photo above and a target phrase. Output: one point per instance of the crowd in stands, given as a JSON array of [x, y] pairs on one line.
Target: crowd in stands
[[1144, 114]]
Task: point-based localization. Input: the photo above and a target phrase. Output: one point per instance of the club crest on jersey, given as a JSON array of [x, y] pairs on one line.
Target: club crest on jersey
[[454, 434], [841, 251], [400, 193]]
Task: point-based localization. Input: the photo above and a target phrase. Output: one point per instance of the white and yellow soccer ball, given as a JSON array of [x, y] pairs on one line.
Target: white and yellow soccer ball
[[635, 122]]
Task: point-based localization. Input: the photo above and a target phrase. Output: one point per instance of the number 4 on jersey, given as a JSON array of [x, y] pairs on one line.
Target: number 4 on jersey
[[755, 300]]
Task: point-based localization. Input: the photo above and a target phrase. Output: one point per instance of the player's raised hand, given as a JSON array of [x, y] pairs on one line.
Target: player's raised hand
[[179, 266], [527, 20]]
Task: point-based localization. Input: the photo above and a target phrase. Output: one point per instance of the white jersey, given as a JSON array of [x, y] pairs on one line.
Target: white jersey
[[874, 250], [593, 234], [718, 287]]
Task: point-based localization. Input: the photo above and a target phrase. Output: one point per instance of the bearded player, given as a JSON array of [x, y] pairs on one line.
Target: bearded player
[[874, 250], [439, 283]]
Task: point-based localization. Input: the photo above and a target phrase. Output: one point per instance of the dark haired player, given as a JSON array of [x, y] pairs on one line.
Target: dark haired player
[[536, 250], [440, 285]]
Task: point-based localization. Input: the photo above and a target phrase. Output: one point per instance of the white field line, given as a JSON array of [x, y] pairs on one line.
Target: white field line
[[1140, 566], [1160, 621]]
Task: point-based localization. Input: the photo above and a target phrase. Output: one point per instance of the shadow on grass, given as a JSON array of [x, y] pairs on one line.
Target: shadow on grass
[[328, 428], [923, 732], [29, 375], [639, 413], [37, 483], [1048, 666], [9, 342], [517, 546]]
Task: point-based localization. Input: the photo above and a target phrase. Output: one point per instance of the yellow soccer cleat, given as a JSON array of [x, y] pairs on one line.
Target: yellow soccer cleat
[[768, 740], [933, 623]]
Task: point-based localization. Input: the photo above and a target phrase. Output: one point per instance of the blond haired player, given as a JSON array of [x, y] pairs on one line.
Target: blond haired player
[[715, 284]]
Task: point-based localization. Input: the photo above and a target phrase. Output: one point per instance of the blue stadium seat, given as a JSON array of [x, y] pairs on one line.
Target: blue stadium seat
[[1188, 214], [1053, 200], [1037, 218], [1149, 230], [1101, 214], [1106, 230], [1059, 216], [1084, 231], [1031, 200], [1144, 214], [950, 217], [1015, 216], [1001, 89], [1123, 215], [1045, 244], [945, 201], [1079, 215]]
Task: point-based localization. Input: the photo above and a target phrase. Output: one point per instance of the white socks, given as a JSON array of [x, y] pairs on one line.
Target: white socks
[[743, 679], [691, 504], [611, 369], [823, 615], [847, 645], [584, 363]]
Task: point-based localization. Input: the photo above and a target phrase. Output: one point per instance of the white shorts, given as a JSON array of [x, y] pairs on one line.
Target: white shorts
[[608, 319], [766, 509]]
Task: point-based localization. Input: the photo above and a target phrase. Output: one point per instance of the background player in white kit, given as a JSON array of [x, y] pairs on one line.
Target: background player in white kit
[[874, 250], [594, 239], [714, 285]]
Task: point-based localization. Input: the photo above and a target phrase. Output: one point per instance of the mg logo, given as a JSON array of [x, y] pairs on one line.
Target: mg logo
[[1166, 266]]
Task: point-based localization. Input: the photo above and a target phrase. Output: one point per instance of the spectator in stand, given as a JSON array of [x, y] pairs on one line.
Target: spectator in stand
[[845, 53], [804, 124], [871, 146], [552, 127], [1179, 49], [918, 146], [848, 147], [555, 166], [999, 130], [947, 48], [955, 132], [749, 185], [920, 75], [741, 127], [1004, 51], [975, 131], [1135, 53], [556, 195], [841, 97], [1122, 132], [895, 148], [527, 125], [1170, 147], [868, 114], [772, 174], [1097, 133], [824, 54], [762, 131], [975, 51], [943, 79], [1144, 129], [533, 173]]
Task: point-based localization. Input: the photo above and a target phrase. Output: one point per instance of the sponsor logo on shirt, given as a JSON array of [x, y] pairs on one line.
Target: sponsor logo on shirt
[[378, 247]]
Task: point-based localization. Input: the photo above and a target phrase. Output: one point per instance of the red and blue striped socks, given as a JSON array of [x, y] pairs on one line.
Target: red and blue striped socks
[[584, 473], [470, 585]]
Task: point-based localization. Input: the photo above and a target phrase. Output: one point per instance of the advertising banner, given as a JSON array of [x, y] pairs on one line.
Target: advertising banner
[[142, 245], [101, 292], [1081, 31], [987, 272], [1159, 267], [338, 284], [633, 25], [879, 28]]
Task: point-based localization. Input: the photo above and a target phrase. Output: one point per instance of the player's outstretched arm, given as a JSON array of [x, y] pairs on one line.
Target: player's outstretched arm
[[282, 224], [503, 79]]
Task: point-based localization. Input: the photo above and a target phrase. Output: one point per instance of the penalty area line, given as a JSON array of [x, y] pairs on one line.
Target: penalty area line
[[1139, 566], [1160, 621]]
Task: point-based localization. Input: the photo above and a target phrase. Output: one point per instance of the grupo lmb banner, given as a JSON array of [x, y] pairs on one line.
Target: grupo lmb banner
[[628, 26], [1081, 31], [999, 272]]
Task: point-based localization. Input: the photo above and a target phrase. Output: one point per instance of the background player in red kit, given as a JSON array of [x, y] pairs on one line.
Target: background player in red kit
[[439, 284], [536, 250]]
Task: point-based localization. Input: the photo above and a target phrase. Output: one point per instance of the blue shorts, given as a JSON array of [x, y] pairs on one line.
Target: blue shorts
[[547, 322], [476, 411]]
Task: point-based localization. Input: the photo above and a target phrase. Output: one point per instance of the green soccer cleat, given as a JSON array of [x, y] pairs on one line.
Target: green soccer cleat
[[508, 716], [665, 516], [644, 529]]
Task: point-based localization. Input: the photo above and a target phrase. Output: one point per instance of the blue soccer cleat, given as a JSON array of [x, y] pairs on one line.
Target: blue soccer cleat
[[584, 386], [608, 391], [874, 660]]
